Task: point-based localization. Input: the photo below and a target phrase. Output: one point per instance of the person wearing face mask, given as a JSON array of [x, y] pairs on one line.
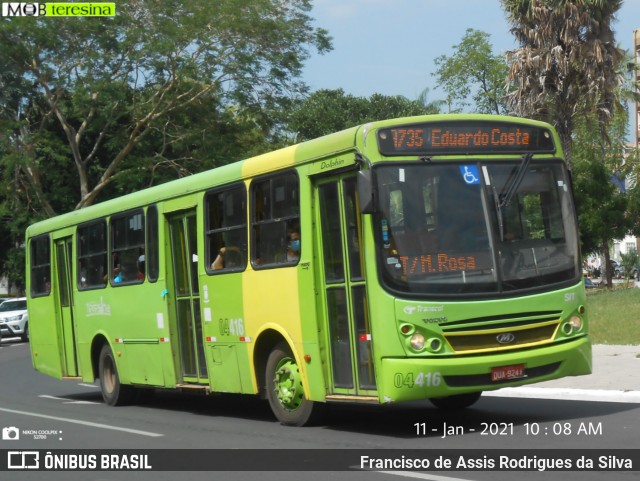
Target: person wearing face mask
[[293, 246]]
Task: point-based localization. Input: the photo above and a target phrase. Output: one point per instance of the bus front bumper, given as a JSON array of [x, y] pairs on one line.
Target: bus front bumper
[[411, 379]]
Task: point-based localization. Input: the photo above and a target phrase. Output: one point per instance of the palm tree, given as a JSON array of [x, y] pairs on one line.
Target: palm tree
[[567, 65], [430, 106]]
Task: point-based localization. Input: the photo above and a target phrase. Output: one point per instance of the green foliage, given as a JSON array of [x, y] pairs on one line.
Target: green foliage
[[93, 108], [13, 268], [601, 206], [473, 72], [613, 316], [606, 211], [631, 263], [326, 111], [142, 94]]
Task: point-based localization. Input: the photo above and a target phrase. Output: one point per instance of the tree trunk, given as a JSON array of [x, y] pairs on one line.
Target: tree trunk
[[607, 265]]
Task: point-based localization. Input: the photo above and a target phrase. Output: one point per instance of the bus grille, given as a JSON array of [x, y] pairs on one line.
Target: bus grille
[[501, 336]]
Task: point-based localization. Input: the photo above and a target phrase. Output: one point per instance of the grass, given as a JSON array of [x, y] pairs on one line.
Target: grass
[[614, 315]]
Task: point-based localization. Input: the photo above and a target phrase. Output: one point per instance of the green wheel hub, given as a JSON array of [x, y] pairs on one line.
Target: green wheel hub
[[288, 384]]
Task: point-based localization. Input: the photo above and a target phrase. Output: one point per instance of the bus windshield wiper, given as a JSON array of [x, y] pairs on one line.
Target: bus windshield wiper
[[513, 182], [498, 206]]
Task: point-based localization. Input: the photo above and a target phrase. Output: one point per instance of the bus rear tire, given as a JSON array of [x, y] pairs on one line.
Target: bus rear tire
[[457, 401], [113, 393], [285, 391]]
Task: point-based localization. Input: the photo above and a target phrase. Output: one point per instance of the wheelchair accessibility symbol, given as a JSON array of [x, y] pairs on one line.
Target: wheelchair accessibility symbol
[[470, 174]]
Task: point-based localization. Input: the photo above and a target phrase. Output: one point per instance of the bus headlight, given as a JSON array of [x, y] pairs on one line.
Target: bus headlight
[[417, 341], [576, 323]]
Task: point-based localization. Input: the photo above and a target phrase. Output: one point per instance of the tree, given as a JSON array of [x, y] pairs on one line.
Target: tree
[[473, 72], [430, 106], [631, 264], [567, 65], [605, 211], [326, 111], [111, 84]]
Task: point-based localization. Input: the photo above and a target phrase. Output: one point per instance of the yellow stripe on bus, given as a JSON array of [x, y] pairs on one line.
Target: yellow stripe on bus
[[269, 162]]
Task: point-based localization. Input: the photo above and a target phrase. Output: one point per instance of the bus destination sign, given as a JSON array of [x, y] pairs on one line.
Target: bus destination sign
[[463, 138]]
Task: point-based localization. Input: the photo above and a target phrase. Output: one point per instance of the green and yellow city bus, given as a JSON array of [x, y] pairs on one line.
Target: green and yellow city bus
[[430, 257]]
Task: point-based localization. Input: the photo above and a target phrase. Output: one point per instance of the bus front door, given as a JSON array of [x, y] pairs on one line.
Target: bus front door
[[186, 298], [66, 328], [344, 301]]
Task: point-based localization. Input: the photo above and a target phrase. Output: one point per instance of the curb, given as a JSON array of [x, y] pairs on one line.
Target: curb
[[567, 394]]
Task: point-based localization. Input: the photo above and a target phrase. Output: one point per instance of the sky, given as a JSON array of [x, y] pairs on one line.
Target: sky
[[389, 46]]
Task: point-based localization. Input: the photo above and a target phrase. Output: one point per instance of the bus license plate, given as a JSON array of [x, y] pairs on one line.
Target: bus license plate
[[503, 373]]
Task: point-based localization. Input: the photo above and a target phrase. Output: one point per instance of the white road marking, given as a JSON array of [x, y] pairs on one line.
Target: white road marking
[[84, 384], [83, 423], [66, 401], [567, 394]]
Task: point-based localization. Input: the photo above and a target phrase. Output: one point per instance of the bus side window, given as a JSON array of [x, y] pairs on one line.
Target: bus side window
[[226, 229], [127, 248], [92, 255], [275, 220], [152, 254], [40, 266]]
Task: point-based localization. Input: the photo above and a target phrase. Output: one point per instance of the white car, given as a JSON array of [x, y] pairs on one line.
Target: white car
[[14, 320]]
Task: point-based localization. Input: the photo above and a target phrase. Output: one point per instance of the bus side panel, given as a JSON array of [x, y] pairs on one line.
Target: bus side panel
[[226, 332], [143, 328], [224, 369], [93, 317], [148, 361], [136, 331], [272, 302]]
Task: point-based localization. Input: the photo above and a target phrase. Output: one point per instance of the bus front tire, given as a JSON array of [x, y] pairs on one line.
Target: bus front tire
[[113, 393], [457, 401], [285, 391]]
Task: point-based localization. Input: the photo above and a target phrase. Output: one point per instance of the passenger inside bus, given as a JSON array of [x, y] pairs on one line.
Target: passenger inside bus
[[141, 267], [117, 271], [293, 245], [288, 250], [218, 262], [227, 258]]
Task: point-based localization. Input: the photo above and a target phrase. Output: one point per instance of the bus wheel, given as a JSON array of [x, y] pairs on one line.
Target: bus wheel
[[457, 401], [284, 389], [113, 393]]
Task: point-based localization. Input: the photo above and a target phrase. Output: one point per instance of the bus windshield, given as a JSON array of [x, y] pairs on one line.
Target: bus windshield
[[475, 227]]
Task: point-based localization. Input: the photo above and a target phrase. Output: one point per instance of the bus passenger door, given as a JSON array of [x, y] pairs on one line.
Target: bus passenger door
[[63, 251], [339, 234], [186, 298]]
